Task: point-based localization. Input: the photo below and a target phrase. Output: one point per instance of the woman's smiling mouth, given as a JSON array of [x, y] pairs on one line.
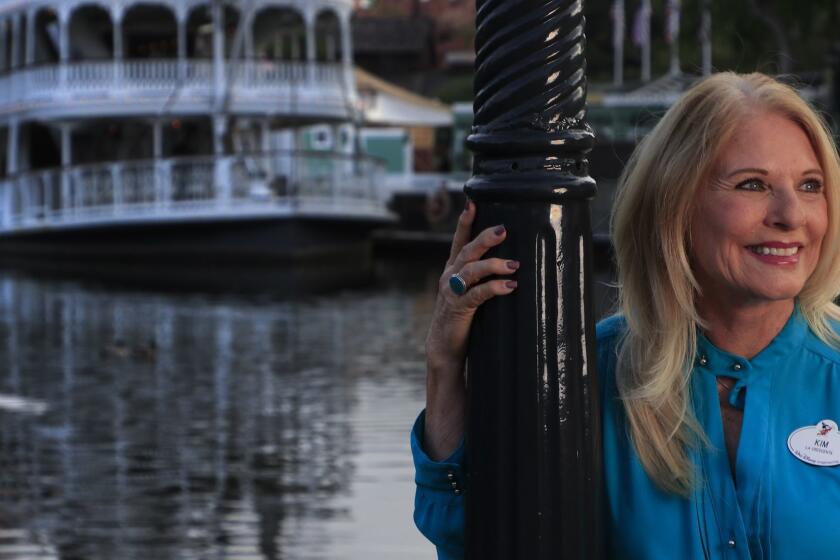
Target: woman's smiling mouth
[[776, 252]]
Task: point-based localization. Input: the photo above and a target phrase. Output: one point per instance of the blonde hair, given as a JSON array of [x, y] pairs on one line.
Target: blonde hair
[[657, 288]]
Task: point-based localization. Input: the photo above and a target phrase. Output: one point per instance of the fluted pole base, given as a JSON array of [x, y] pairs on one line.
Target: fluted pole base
[[533, 421]]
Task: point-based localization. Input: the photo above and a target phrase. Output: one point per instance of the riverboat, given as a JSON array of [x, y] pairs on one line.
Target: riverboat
[[182, 129]]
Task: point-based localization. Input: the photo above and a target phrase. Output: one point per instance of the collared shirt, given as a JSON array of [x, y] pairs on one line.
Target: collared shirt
[[781, 507]]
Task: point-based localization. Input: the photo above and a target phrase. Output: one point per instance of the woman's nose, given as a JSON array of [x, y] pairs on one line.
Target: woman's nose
[[786, 210]]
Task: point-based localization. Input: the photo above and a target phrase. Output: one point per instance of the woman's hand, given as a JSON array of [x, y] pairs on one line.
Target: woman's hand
[[446, 343]]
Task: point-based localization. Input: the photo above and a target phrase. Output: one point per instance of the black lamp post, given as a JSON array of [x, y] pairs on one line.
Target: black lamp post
[[533, 421]]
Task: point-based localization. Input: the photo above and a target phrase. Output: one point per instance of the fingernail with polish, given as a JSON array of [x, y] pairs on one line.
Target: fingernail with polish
[[513, 265], [499, 230], [511, 284]]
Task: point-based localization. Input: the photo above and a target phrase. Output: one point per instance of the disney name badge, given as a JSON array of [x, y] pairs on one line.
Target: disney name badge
[[817, 445]]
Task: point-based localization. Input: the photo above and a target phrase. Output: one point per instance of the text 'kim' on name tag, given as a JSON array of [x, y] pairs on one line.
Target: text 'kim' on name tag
[[817, 445]]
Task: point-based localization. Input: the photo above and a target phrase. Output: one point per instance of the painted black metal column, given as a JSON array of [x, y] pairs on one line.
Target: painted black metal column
[[533, 426]]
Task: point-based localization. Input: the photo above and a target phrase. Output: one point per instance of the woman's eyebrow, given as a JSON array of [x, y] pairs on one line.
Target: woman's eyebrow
[[758, 170]]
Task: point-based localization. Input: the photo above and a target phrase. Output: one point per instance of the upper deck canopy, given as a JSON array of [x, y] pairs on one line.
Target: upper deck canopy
[[76, 58]]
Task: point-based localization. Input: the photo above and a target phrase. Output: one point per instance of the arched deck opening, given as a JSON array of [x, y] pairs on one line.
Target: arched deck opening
[[200, 33], [43, 148], [231, 23], [328, 37], [6, 59], [91, 34], [188, 136], [279, 35], [150, 31], [19, 62], [200, 27], [4, 150], [47, 31], [98, 141]]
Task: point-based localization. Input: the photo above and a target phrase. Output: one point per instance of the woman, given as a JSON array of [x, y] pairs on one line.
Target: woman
[[721, 372]]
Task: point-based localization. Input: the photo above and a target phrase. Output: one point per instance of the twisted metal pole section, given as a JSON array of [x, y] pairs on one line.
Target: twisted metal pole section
[[533, 422]]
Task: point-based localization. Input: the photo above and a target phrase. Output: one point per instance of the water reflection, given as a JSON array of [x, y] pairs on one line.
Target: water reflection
[[207, 426], [157, 425]]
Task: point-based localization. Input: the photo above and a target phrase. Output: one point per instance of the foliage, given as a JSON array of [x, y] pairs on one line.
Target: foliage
[[456, 88], [742, 36]]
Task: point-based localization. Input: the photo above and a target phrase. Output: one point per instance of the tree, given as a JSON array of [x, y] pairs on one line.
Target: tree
[[773, 36]]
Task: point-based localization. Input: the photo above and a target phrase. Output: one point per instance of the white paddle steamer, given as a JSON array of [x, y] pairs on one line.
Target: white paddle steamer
[[181, 129]]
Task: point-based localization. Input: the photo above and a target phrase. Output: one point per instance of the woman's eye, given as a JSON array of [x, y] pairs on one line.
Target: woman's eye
[[813, 186], [750, 185]]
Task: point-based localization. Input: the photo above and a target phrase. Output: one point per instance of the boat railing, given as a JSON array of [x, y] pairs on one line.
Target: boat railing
[[258, 74], [197, 187], [89, 74], [40, 83]]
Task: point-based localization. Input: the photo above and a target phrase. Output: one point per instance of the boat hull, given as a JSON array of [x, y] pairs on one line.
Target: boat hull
[[231, 241]]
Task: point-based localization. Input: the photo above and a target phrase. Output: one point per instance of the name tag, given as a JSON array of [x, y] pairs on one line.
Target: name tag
[[817, 445]]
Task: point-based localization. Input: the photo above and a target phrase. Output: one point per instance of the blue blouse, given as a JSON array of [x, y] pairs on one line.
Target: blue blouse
[[782, 506]]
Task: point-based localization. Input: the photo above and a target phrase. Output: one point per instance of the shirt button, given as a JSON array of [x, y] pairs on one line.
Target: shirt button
[[704, 360], [731, 543], [450, 475], [457, 492], [736, 367], [454, 485]]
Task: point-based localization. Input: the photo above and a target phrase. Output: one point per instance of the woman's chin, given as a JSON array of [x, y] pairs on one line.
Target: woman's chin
[[777, 295]]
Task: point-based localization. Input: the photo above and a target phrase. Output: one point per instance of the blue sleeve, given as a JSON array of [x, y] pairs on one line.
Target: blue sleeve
[[439, 499]]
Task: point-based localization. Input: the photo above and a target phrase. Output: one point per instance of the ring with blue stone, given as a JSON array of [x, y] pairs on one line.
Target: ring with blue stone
[[458, 285]]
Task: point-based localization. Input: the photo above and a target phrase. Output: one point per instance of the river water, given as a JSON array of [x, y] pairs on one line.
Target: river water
[[266, 424]]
